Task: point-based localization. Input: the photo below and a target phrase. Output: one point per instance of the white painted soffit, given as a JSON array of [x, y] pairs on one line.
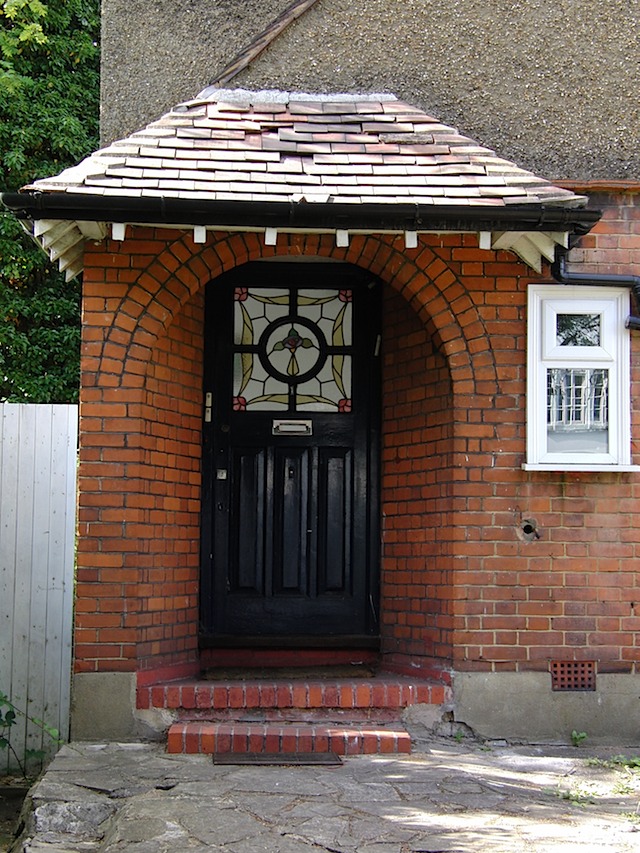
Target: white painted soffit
[[64, 240]]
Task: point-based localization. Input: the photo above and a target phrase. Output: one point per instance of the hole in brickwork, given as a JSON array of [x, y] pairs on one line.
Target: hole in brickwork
[[528, 530], [573, 675]]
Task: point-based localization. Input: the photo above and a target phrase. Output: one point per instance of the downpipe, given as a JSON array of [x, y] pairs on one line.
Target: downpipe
[[561, 275]]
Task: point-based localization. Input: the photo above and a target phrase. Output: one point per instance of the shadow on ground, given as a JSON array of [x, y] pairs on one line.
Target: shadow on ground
[[446, 797]]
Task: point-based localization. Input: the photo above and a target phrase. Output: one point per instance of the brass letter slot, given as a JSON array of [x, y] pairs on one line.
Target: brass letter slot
[[292, 428]]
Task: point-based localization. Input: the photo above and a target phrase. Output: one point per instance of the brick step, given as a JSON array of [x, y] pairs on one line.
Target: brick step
[[204, 737], [338, 716], [384, 692]]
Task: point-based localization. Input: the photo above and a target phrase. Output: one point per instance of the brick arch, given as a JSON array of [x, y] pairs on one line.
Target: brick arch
[[140, 456], [425, 277]]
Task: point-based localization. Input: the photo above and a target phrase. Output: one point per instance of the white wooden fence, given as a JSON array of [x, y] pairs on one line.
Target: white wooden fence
[[37, 553]]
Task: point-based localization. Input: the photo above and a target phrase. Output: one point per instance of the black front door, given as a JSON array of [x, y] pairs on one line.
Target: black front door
[[290, 530]]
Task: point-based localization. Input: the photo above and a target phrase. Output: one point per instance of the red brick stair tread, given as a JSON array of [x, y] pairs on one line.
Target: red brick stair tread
[[218, 737], [339, 693]]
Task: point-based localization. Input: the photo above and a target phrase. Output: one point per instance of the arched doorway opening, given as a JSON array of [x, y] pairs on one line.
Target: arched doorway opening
[[290, 521]]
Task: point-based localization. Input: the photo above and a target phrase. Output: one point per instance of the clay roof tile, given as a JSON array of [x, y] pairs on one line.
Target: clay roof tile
[[241, 146]]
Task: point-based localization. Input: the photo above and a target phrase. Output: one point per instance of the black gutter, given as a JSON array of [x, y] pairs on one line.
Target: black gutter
[[162, 210], [560, 273]]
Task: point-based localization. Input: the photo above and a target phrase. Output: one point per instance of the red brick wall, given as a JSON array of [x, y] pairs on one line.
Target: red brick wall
[[613, 246], [459, 584], [416, 489], [169, 510], [139, 476], [574, 593]]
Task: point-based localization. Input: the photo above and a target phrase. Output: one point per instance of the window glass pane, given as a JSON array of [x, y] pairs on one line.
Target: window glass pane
[[577, 410], [578, 330]]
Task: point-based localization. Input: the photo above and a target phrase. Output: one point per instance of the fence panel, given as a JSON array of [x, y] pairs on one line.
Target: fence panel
[[37, 538]]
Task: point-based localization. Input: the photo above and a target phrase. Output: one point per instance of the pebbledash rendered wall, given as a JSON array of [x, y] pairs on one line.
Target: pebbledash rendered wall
[[464, 596], [551, 86]]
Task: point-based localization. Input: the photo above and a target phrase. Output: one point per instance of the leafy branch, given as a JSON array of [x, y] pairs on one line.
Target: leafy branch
[[49, 95], [9, 714]]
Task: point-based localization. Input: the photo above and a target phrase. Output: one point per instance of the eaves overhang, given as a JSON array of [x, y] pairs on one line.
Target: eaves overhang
[[299, 214], [275, 161], [530, 230]]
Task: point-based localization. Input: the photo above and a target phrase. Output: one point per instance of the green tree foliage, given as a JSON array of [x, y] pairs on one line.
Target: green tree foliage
[[49, 110]]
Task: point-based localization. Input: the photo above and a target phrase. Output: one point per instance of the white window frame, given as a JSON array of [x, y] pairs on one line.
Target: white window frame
[[545, 302]]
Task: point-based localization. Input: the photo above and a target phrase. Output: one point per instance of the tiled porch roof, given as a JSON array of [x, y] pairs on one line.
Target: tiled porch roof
[[230, 145], [235, 158]]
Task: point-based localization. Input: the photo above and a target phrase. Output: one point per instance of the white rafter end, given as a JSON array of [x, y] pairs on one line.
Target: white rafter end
[[342, 238], [59, 232], [411, 239], [484, 240], [545, 243], [506, 239], [560, 237], [270, 236], [41, 226], [67, 243], [118, 230], [527, 249], [92, 230], [71, 257], [199, 234], [74, 269]]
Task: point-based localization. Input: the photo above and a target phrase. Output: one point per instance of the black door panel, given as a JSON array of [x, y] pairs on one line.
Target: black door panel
[[289, 545]]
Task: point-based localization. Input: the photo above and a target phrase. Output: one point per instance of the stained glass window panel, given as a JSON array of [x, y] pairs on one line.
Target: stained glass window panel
[[331, 310], [292, 349], [254, 310], [254, 389], [323, 393]]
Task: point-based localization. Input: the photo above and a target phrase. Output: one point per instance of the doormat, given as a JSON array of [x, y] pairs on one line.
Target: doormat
[[296, 759]]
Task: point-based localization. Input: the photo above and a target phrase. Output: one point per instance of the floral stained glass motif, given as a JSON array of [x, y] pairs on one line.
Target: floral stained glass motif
[[292, 349]]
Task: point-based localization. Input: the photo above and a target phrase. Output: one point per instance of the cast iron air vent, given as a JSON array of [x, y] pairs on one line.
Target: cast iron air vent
[[573, 675]]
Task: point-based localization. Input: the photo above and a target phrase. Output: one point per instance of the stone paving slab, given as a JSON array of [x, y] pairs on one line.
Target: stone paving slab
[[444, 798]]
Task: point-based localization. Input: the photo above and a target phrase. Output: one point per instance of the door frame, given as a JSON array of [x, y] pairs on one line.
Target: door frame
[[269, 270]]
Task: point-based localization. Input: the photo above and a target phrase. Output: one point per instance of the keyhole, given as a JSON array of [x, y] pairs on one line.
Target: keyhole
[[291, 473]]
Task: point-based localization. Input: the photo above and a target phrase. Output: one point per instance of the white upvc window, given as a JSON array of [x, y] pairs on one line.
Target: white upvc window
[[578, 379]]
